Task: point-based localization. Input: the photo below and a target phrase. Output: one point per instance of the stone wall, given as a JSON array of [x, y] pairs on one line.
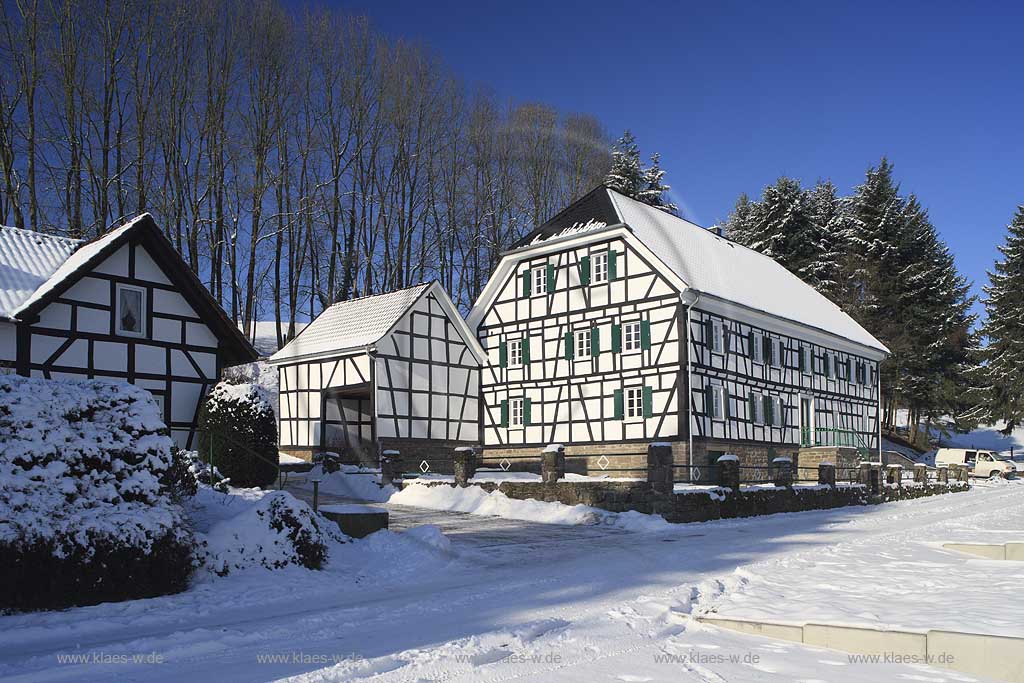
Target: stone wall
[[844, 458], [437, 453], [706, 505]]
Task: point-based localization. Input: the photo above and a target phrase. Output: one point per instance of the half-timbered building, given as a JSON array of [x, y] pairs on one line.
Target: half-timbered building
[[617, 324], [396, 371], [124, 306]]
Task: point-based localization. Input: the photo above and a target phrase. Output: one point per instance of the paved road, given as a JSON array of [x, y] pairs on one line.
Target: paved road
[[470, 533]]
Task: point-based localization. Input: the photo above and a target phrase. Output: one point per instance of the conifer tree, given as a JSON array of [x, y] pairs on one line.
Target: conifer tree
[[999, 379], [629, 176], [626, 174]]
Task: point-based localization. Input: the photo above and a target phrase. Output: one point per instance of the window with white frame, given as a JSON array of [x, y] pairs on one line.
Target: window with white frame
[[515, 412], [159, 400], [599, 264], [539, 277], [131, 310], [776, 353], [631, 336], [717, 337], [515, 352], [805, 352], [756, 408], [634, 402], [718, 402], [583, 343], [758, 348]]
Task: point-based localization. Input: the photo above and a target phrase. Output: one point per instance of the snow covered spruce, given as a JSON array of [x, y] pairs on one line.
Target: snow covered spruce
[[238, 424]]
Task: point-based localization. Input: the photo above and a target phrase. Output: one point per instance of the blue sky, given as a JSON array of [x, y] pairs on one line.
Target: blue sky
[[733, 94]]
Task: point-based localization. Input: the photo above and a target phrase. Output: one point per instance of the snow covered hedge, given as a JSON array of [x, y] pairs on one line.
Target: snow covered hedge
[[86, 512], [248, 528], [239, 425]]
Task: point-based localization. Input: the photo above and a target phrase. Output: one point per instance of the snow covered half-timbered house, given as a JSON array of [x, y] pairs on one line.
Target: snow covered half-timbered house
[[396, 371], [124, 306], [617, 324]]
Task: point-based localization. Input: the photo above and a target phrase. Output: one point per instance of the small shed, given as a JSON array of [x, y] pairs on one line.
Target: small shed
[[395, 371]]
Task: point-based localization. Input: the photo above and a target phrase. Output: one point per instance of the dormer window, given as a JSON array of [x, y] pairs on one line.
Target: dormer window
[[131, 311]]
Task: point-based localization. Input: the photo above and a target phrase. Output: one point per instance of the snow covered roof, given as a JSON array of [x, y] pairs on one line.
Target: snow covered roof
[[358, 323], [35, 268], [351, 324], [27, 260], [711, 264], [85, 252]]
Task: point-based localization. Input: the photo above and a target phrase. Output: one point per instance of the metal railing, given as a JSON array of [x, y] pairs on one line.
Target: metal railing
[[844, 438]]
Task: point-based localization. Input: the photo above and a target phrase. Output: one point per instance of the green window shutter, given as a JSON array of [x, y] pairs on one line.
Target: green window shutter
[[526, 350], [551, 278], [769, 418], [585, 270], [782, 354], [752, 406], [620, 408], [616, 338], [725, 339], [645, 334], [847, 369], [709, 400], [503, 354], [504, 413], [828, 364], [803, 366], [648, 402], [595, 341], [527, 411], [613, 270], [569, 350], [766, 350], [709, 333], [725, 404], [526, 285], [750, 343]]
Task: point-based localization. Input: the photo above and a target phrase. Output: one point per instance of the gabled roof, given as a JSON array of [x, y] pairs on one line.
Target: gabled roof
[[356, 324], [709, 264], [57, 271], [27, 260]]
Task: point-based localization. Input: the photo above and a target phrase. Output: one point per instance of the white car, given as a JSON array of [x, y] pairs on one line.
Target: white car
[[981, 463]]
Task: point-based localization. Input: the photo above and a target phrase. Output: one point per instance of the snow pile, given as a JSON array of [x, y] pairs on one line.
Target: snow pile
[[247, 528], [82, 459], [351, 481], [88, 514], [476, 501]]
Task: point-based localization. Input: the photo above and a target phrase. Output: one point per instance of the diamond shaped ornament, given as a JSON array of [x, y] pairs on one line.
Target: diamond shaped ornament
[[505, 464], [603, 462], [696, 473], [424, 466]]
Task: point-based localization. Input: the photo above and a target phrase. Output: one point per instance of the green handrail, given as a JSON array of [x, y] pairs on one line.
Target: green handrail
[[847, 438]]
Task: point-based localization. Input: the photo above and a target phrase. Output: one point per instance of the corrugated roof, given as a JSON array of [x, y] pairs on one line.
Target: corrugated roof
[[724, 269], [27, 260], [351, 324]]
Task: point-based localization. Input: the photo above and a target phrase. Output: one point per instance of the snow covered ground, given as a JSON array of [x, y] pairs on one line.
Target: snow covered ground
[[538, 602]]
